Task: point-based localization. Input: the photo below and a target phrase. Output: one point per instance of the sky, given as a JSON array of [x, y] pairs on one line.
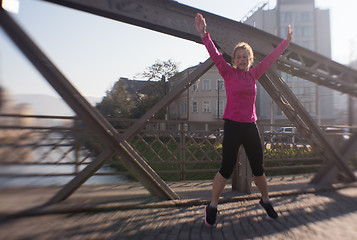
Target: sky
[[94, 52]]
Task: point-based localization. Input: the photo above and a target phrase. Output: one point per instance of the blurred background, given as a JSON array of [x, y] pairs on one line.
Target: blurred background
[[112, 64]]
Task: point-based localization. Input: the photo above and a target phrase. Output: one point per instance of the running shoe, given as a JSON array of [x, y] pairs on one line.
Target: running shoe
[[269, 209], [210, 215]]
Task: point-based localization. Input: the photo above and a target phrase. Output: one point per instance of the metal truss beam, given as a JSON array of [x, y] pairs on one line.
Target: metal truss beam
[[82, 177], [177, 19], [97, 123], [308, 128], [90, 117], [329, 173]]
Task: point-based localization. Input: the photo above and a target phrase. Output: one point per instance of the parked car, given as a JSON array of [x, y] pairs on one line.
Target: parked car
[[338, 133], [286, 135]]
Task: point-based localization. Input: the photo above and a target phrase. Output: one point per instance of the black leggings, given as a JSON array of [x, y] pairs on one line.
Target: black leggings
[[235, 134]]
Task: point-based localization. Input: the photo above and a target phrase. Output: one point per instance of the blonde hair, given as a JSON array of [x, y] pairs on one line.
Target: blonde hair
[[248, 48]]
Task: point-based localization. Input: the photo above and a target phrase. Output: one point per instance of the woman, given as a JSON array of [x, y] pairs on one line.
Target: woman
[[240, 115]]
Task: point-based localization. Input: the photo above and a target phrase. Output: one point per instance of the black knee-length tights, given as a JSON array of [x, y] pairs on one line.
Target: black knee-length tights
[[235, 134]]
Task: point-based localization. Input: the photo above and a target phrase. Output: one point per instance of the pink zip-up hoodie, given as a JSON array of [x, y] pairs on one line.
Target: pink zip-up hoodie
[[241, 88]]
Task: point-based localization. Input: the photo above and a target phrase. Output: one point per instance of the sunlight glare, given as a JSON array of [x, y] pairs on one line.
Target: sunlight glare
[[10, 5]]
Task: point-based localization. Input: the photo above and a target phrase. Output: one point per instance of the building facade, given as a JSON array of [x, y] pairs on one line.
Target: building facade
[[311, 30], [204, 101]]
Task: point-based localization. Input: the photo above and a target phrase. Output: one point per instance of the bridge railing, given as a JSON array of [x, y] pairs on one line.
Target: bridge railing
[[52, 150], [45, 150]]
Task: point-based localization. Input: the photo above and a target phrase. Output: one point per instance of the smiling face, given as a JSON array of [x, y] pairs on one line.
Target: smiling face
[[241, 59], [243, 56]]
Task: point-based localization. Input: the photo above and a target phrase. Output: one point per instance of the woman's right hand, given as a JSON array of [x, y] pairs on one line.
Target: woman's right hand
[[200, 25]]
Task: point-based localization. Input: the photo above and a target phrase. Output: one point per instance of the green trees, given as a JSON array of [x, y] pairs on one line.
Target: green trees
[[132, 98], [160, 69], [118, 102]]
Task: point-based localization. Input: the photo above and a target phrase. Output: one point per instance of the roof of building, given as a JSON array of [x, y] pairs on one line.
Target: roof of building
[[137, 86]]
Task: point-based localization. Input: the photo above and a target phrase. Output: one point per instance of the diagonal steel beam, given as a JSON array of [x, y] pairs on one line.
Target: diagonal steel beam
[[177, 19], [349, 149], [97, 123], [328, 172], [89, 115], [135, 128], [300, 61], [296, 113], [82, 177]]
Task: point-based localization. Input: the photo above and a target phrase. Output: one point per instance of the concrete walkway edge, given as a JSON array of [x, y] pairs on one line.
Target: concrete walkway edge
[[62, 209]]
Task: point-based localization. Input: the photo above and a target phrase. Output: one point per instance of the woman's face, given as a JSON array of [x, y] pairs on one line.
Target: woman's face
[[241, 59]]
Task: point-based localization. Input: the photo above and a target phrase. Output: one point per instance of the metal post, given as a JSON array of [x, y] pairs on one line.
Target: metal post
[[272, 118], [182, 152], [76, 144], [242, 174], [318, 106], [218, 86], [350, 111]]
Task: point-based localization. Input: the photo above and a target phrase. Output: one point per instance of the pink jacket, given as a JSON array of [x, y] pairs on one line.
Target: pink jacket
[[241, 89]]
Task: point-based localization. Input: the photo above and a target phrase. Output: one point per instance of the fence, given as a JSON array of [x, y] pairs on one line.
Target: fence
[[50, 146], [46, 150]]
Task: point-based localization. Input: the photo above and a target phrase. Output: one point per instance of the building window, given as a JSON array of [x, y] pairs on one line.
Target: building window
[[219, 108], [304, 31], [219, 84], [194, 107], [206, 106], [283, 31], [286, 17], [306, 44], [183, 109], [195, 86], [206, 85], [307, 17]]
